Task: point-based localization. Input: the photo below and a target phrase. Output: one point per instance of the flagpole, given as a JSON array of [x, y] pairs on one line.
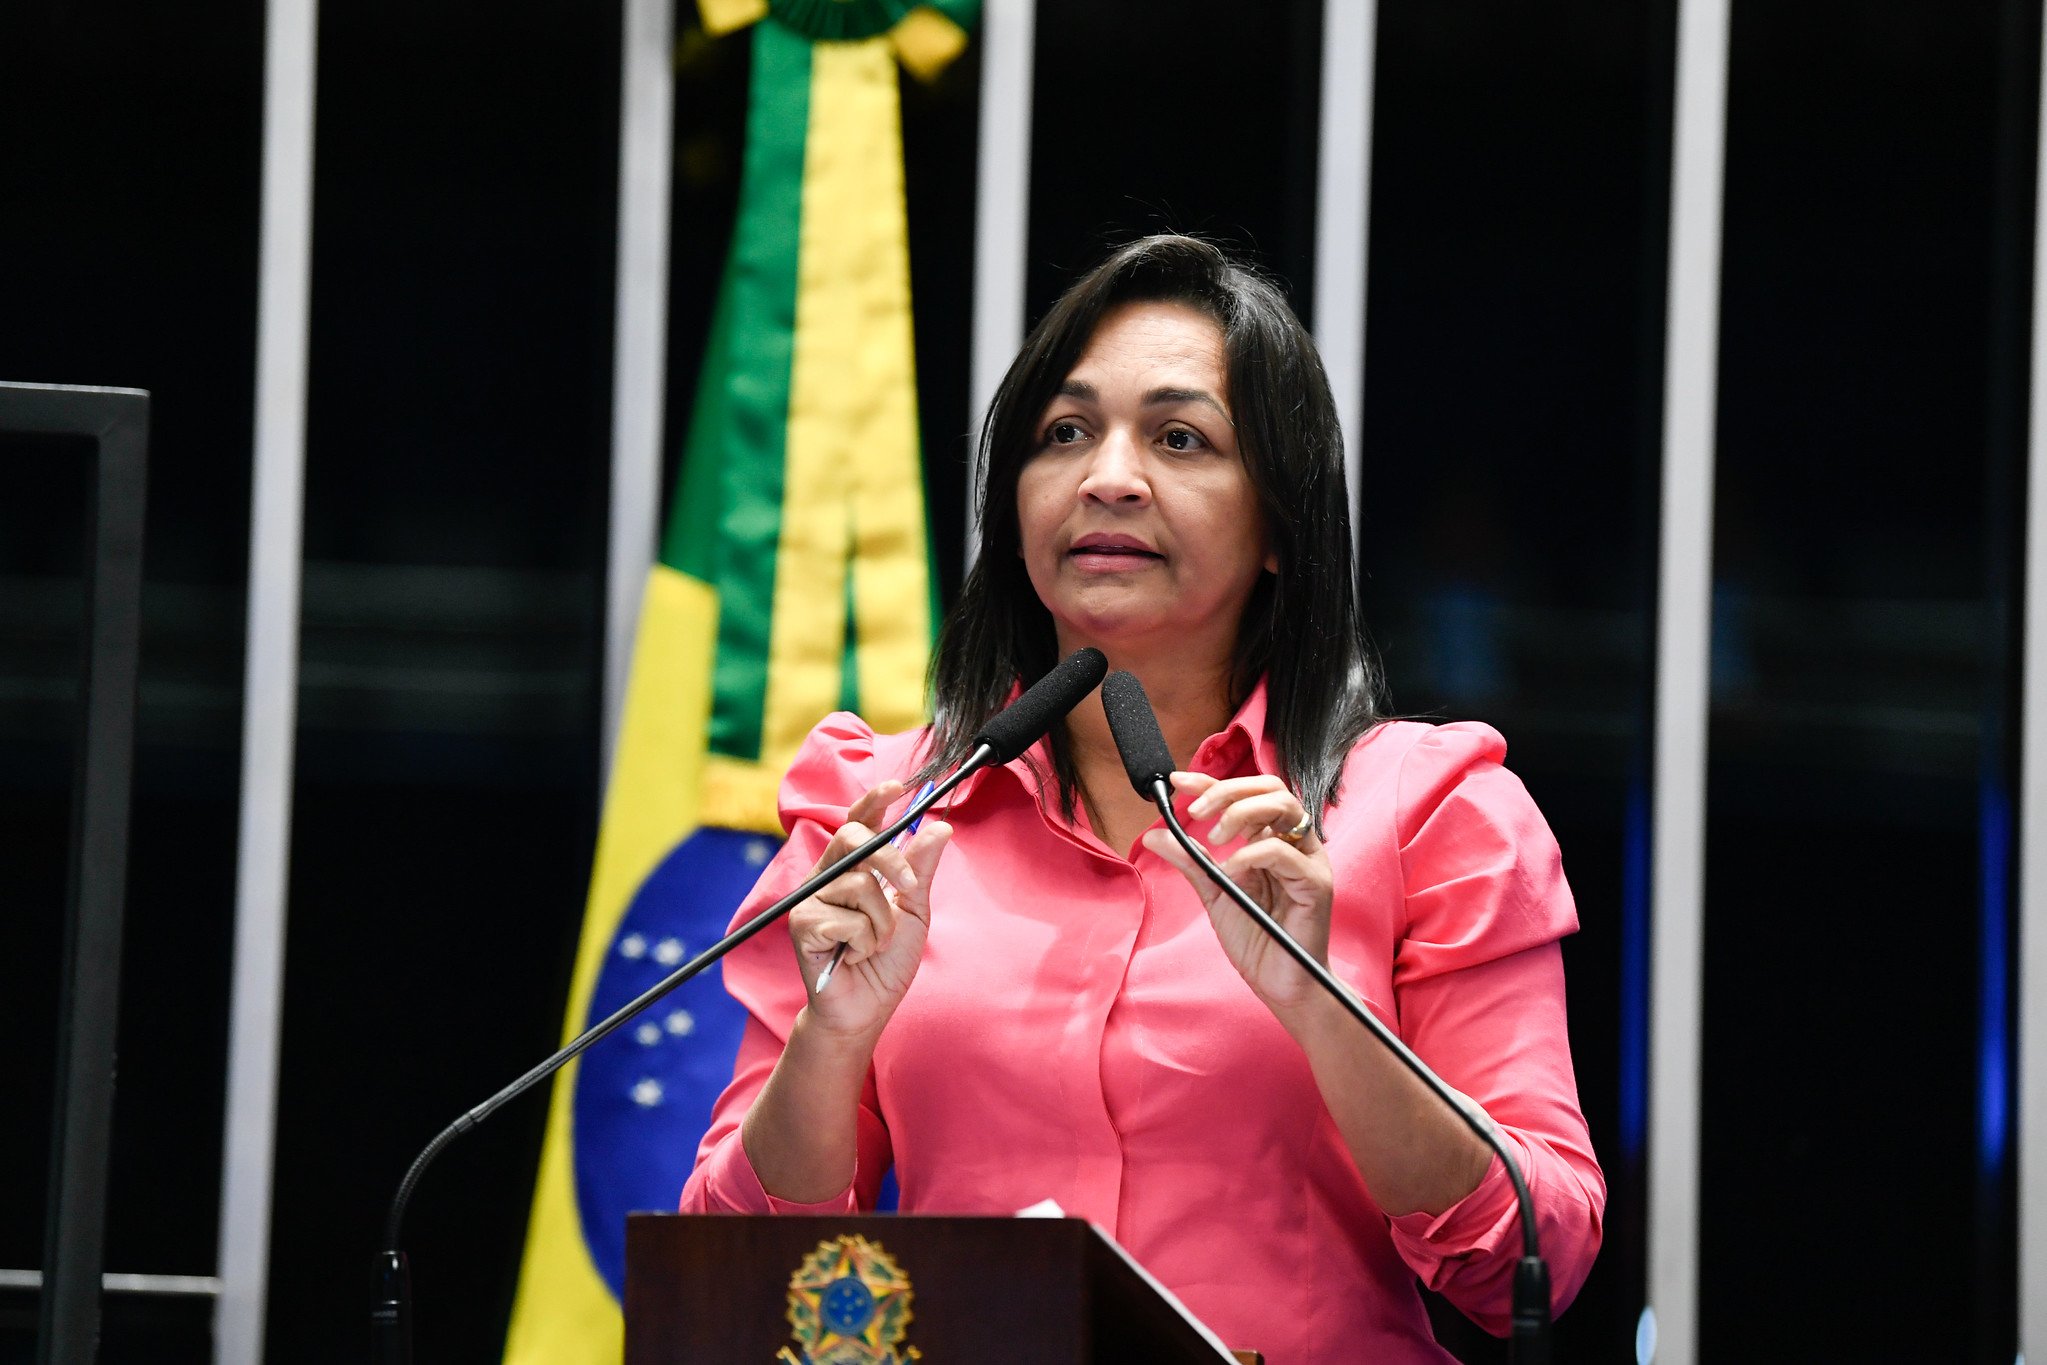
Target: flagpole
[[1343, 219], [640, 336], [270, 678], [1684, 631], [1001, 217]]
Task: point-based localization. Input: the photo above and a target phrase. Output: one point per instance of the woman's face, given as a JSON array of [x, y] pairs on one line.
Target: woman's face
[[1140, 529]]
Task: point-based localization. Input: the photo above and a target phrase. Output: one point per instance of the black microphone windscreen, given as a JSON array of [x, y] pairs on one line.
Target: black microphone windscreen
[[1136, 729], [1025, 720]]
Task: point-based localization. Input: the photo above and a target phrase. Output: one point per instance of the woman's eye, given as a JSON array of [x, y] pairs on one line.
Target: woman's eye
[[1181, 439], [1062, 434]]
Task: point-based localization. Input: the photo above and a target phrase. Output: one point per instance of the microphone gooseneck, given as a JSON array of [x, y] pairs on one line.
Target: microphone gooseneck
[[1149, 764], [1016, 728]]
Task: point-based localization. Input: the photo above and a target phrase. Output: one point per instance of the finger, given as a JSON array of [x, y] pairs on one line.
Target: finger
[[922, 853], [1230, 790], [859, 891], [890, 862], [857, 933], [1295, 869], [851, 835], [821, 933], [1272, 854], [870, 810], [1192, 784], [1246, 805], [873, 806], [1266, 810], [858, 826], [1168, 849]]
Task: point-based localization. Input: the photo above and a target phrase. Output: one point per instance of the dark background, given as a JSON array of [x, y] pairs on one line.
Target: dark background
[[129, 175], [1857, 1112]]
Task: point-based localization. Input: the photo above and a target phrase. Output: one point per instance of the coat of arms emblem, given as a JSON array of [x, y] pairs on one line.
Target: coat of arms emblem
[[849, 1304]]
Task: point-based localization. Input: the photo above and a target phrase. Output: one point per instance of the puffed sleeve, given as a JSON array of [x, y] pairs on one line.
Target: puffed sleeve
[[835, 766], [1479, 982]]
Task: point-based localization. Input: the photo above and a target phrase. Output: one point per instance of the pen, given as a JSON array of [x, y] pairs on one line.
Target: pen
[[824, 978]]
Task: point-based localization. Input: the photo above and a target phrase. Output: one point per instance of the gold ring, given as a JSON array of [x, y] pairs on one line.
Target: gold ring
[[1298, 832]]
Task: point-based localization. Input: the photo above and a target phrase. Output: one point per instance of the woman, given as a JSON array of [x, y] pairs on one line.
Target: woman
[[1091, 1021]]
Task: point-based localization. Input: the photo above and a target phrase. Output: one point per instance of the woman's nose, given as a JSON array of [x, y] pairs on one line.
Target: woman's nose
[[1115, 472]]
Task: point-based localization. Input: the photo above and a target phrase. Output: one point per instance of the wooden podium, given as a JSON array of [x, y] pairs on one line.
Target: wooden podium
[[717, 1290]]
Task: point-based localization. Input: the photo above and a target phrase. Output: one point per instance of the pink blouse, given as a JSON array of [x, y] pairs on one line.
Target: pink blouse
[[1076, 1033]]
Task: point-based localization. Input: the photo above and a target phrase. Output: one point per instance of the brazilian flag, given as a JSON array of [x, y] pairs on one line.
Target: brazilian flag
[[794, 580]]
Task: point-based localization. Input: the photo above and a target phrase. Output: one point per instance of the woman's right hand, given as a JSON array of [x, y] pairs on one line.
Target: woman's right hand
[[884, 934]]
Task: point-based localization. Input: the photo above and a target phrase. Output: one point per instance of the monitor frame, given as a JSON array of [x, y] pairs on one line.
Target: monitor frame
[[116, 422]]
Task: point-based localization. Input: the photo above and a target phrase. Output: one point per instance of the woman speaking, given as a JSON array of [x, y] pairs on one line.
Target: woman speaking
[[1040, 996]]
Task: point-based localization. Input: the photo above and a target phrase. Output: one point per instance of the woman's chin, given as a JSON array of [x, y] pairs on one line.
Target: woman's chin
[[1114, 627]]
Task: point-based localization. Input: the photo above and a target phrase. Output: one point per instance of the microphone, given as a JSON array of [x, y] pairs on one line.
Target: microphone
[[1014, 729], [1024, 721], [1135, 728], [1149, 764]]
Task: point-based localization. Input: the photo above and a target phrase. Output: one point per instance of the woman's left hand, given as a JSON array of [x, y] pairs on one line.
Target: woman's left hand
[[1292, 881]]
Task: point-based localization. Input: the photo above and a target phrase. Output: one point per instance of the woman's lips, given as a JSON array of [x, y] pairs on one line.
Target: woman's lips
[[1112, 558]]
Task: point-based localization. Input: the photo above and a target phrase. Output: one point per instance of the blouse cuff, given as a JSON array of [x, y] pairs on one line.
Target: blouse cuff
[[731, 1185], [1476, 1226]]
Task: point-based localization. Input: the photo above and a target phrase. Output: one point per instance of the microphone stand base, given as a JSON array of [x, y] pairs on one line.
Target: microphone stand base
[[1528, 1343], [391, 1318]]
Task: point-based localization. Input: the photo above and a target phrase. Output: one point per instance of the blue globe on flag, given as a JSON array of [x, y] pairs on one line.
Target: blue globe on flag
[[644, 1095]]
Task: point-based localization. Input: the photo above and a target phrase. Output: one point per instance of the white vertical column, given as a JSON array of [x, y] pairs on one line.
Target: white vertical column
[[1001, 216], [270, 677], [2033, 813], [640, 338], [1684, 630], [1343, 218]]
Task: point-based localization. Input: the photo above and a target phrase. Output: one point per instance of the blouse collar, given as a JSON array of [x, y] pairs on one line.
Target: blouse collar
[[1246, 735]]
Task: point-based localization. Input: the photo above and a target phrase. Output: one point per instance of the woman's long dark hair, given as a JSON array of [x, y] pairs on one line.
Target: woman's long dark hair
[[1301, 629]]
